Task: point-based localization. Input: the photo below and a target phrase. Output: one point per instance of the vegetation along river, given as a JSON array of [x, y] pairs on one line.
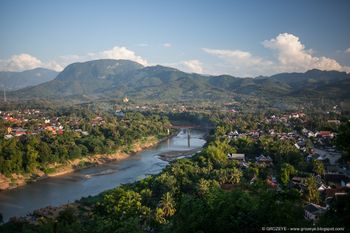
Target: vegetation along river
[[91, 181]]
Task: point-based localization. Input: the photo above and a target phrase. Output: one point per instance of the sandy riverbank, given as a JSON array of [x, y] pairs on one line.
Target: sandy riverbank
[[16, 180]]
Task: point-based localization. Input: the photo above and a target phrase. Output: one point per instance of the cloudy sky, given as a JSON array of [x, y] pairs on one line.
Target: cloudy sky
[[241, 38]]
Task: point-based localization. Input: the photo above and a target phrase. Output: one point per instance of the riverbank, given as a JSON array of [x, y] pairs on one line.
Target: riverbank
[[58, 191], [58, 169]]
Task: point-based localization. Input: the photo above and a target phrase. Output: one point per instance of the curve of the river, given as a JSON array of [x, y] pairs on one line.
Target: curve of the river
[[91, 181]]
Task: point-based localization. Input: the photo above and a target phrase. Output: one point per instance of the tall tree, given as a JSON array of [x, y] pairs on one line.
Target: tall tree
[[312, 192], [30, 159], [167, 204], [286, 171], [318, 167]]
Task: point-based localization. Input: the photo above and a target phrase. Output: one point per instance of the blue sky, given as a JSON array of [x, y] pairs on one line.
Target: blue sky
[[242, 38]]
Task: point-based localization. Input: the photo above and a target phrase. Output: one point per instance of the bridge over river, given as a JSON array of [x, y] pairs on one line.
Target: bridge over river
[[190, 126]]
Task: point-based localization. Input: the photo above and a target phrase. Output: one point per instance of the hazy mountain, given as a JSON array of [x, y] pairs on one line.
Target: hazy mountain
[[18, 80], [117, 78], [90, 79]]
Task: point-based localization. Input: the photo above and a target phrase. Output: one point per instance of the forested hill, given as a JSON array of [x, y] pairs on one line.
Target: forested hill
[[17, 80], [117, 78]]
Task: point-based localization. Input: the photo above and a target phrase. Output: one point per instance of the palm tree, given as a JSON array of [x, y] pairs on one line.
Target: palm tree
[[167, 204]]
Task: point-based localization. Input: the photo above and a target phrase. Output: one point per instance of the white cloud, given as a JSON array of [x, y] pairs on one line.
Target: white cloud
[[26, 61], [237, 62], [53, 65], [291, 56], [119, 53], [193, 66], [190, 66], [21, 62], [237, 56], [113, 53], [228, 53]]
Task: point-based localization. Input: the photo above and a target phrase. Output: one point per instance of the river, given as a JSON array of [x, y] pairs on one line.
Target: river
[[91, 181]]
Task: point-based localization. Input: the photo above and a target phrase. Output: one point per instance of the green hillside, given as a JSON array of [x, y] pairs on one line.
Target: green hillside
[[103, 79]]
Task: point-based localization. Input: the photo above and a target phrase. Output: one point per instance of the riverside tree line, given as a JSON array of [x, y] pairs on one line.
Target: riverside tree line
[[27, 153]]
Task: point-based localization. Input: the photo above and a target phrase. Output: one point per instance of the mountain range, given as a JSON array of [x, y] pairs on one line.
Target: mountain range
[[117, 78], [17, 80]]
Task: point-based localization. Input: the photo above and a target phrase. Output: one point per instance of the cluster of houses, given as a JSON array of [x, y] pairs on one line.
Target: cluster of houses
[[17, 120], [318, 134], [173, 107], [19, 131], [261, 160], [18, 117], [31, 122], [285, 117], [332, 186], [335, 184]]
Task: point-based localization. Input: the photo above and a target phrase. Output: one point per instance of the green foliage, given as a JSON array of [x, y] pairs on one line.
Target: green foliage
[[165, 183], [11, 156], [286, 171], [28, 153], [235, 211], [245, 145], [30, 159], [318, 167], [312, 194], [122, 209], [120, 204], [166, 208], [217, 152], [205, 186], [220, 132], [205, 193], [228, 175]]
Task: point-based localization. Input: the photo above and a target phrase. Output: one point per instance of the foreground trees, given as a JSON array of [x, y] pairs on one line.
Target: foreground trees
[[188, 196], [166, 208]]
